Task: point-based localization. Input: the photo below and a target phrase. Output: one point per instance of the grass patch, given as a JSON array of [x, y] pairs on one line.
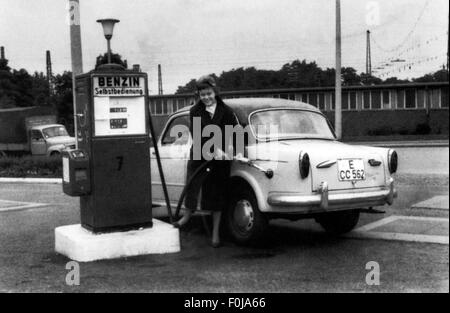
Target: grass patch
[[31, 166]]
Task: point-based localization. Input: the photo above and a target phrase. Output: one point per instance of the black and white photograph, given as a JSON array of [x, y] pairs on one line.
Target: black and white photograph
[[224, 151]]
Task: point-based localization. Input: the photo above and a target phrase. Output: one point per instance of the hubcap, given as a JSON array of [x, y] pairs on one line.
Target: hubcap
[[243, 215]]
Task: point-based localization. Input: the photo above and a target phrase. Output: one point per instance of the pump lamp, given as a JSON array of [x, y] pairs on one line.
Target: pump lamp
[[108, 27]]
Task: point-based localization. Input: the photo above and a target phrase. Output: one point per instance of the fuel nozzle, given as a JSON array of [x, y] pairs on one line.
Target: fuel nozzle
[[268, 172]]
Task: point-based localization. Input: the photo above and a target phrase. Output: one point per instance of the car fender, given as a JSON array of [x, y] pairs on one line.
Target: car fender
[[57, 148], [255, 185]]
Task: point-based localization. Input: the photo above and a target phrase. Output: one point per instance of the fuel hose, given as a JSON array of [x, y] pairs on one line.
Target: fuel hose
[[191, 179], [268, 172]]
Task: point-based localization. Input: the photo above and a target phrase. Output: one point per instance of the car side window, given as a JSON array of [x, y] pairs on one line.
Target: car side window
[[36, 135], [178, 132]]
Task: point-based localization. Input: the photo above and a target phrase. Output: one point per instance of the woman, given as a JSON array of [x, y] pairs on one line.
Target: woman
[[214, 180]]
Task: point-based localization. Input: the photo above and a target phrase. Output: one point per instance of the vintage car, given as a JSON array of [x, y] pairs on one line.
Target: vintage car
[[299, 171]]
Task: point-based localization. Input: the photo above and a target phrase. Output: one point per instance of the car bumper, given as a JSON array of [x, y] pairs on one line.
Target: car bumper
[[326, 201]]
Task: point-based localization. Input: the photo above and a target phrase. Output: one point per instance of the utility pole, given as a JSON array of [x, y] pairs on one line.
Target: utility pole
[[2, 54], [368, 56], [76, 53], [448, 28], [160, 87], [338, 112], [49, 74]]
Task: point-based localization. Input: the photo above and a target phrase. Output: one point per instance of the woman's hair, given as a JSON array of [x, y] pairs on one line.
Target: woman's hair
[[205, 82]]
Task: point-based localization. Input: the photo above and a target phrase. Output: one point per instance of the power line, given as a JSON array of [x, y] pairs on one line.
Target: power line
[[409, 33], [410, 65], [428, 41]]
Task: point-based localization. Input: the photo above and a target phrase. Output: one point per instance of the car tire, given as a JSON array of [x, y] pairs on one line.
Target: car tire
[[338, 223], [245, 223]]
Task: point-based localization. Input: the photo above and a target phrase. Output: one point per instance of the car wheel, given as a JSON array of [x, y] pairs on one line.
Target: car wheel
[[246, 224], [338, 223]]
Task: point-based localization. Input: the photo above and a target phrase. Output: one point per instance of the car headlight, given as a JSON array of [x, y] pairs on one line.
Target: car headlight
[[392, 161], [304, 164]]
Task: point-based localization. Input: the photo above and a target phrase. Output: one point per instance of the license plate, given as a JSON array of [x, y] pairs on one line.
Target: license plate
[[349, 170]]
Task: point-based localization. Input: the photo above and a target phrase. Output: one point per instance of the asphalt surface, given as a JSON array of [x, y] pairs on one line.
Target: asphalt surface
[[418, 157], [296, 256]]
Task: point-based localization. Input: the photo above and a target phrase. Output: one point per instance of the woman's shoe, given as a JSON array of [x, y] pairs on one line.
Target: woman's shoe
[[182, 221], [216, 244], [179, 224], [176, 224]]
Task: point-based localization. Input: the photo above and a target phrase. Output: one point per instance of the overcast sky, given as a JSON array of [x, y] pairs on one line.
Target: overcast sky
[[190, 38]]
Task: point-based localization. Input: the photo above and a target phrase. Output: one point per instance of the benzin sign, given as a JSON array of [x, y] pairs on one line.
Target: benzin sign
[[118, 86]]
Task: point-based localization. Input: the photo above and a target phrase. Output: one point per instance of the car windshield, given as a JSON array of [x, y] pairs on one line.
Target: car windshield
[[290, 123], [55, 131]]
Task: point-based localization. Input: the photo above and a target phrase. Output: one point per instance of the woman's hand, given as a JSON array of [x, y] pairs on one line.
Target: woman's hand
[[219, 154], [239, 156]]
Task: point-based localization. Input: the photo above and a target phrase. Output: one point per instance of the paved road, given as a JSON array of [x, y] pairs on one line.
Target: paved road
[[418, 157], [297, 256], [430, 160]]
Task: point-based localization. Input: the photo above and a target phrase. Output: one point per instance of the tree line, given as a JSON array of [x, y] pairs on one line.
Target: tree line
[[18, 88], [299, 74]]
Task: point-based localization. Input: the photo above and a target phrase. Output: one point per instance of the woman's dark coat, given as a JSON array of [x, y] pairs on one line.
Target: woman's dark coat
[[214, 180]]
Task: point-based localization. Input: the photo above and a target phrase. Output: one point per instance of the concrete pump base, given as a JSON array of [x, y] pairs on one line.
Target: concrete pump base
[[79, 244]]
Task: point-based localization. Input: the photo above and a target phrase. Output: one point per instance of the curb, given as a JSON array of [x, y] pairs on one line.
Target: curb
[[31, 180]]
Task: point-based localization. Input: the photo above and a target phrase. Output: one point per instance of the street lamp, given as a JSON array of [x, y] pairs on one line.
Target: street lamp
[[108, 27]]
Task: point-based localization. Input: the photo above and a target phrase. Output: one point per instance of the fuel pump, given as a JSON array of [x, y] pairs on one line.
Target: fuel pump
[[110, 170]]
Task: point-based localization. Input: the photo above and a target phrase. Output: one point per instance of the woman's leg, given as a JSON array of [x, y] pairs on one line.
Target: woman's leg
[[217, 193], [192, 192], [185, 218], [217, 215]]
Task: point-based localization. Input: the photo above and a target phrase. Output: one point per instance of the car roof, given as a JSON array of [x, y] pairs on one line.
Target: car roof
[[242, 107]]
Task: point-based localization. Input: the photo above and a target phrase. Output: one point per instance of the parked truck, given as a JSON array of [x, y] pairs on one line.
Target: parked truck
[[32, 130]]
